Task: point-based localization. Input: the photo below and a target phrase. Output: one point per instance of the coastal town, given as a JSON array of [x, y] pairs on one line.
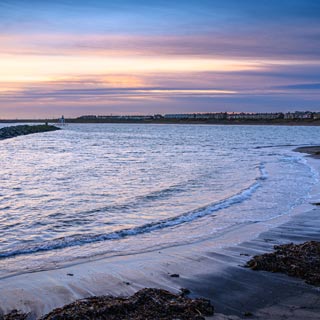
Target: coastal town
[[288, 118], [208, 117]]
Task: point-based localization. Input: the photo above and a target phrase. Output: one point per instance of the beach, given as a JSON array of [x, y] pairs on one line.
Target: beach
[[216, 274], [186, 251]]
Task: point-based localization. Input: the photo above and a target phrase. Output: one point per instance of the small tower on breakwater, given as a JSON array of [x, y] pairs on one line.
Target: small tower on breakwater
[[62, 121]]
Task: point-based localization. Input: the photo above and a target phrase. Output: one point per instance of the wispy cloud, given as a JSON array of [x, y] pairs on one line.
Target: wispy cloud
[[156, 55], [300, 86], [295, 43]]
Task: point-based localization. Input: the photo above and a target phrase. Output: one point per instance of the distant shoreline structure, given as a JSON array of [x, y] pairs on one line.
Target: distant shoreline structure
[[294, 118], [212, 116]]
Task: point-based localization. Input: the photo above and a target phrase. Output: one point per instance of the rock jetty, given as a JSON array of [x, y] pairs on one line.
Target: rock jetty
[[146, 304], [15, 131]]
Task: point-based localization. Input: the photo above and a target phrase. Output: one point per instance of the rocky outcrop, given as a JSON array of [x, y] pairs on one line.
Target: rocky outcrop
[[15, 131], [146, 304], [296, 260], [150, 304]]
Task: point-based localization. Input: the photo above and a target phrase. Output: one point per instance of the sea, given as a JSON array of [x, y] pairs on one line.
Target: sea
[[97, 190]]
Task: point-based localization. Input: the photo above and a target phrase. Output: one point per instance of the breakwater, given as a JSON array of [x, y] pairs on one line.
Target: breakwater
[[21, 130]]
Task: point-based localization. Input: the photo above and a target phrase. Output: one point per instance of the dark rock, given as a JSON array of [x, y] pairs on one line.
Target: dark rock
[[15, 315], [174, 275], [70, 274], [15, 131], [184, 291], [146, 304], [301, 261]]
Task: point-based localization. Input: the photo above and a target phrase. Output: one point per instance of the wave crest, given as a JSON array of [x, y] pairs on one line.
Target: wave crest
[[72, 241]]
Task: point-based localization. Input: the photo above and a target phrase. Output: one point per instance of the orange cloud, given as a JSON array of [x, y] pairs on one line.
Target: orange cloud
[[49, 68]]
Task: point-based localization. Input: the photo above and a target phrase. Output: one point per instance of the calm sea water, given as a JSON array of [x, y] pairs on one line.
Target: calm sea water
[[108, 189]]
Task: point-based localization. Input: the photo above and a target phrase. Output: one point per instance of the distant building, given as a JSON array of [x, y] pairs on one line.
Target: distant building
[[202, 116], [62, 120], [316, 115], [87, 117], [212, 116], [298, 115], [255, 116], [107, 117], [217, 116], [181, 116], [137, 117], [196, 116], [116, 117]]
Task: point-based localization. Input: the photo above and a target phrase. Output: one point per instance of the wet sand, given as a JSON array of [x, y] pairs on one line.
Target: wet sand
[[237, 290], [214, 273]]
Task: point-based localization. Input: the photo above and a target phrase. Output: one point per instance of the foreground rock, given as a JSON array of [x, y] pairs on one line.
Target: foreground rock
[[301, 261], [15, 131], [15, 315], [146, 304]]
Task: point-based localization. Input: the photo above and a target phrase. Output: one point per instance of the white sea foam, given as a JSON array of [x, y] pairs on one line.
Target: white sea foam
[[146, 228]]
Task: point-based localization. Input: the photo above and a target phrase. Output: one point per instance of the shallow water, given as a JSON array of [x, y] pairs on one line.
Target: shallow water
[[116, 188]]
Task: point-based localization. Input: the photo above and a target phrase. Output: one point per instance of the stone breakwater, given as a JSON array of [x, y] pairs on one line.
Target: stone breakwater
[[15, 131]]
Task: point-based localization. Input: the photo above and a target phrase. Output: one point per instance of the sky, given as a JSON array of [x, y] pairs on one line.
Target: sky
[[145, 57]]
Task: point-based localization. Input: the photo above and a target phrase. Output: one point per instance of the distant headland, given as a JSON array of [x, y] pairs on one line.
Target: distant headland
[[277, 118]]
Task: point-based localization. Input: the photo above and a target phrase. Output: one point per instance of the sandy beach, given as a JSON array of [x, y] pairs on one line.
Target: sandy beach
[[209, 269], [212, 269]]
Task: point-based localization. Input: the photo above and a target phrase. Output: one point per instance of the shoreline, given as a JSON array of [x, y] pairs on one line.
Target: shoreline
[[209, 269], [173, 122], [214, 274], [313, 151]]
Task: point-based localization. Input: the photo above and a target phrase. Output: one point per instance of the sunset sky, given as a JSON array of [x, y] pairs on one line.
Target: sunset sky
[[131, 57]]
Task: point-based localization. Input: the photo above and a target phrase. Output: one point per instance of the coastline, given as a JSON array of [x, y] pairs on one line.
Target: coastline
[[313, 151], [175, 122], [215, 274], [210, 269]]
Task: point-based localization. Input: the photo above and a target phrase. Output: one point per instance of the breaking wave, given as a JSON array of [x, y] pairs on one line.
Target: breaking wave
[[78, 240]]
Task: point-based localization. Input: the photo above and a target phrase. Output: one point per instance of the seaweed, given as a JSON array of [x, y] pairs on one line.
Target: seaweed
[[296, 260], [155, 304]]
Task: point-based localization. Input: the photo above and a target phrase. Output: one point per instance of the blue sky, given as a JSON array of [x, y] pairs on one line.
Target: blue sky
[[101, 57]]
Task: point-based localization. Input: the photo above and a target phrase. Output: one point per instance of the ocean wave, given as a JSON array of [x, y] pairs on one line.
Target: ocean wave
[[138, 201], [277, 146], [78, 240]]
